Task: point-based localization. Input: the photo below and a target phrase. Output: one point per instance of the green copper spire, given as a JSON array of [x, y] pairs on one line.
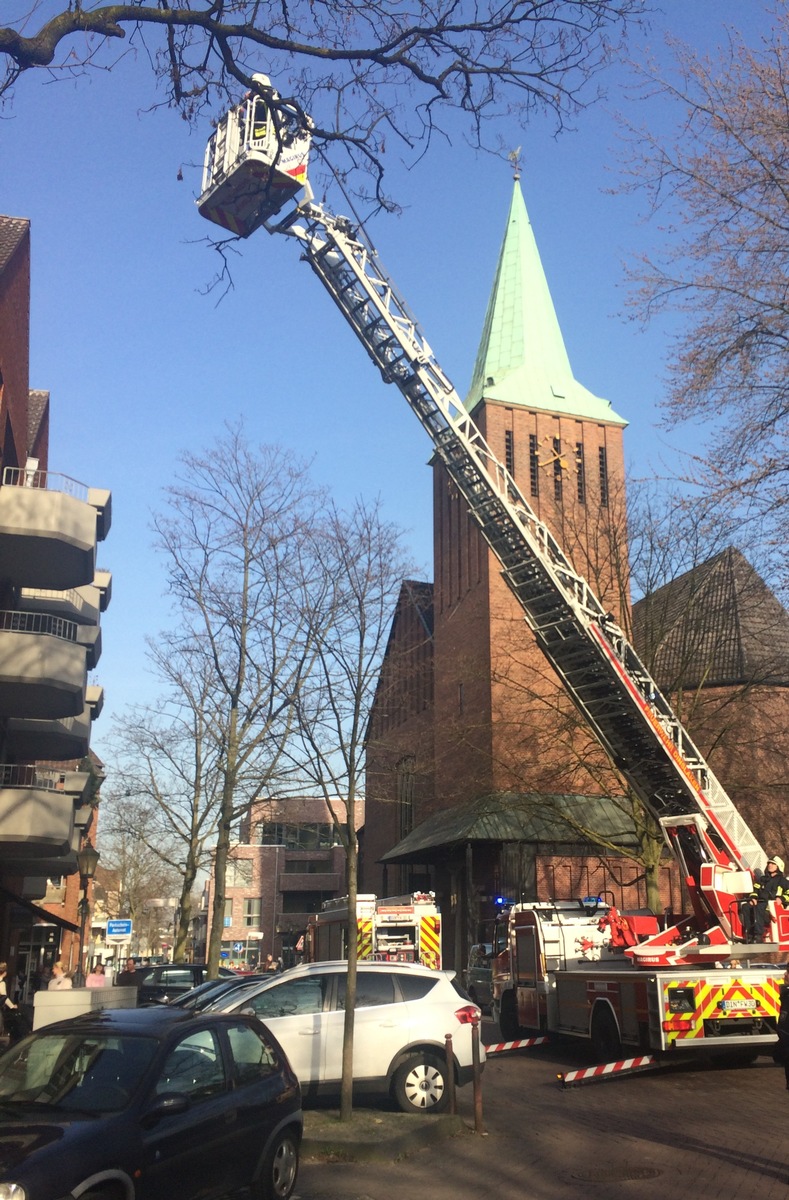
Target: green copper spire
[[522, 358]]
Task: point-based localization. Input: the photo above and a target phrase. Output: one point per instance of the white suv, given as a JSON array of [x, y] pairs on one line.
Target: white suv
[[403, 1013]]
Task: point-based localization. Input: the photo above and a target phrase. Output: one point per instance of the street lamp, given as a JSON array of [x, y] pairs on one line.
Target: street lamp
[[87, 861]]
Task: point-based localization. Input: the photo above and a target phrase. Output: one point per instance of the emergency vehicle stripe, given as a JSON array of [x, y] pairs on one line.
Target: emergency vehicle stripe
[[605, 1070], [364, 938], [523, 1044], [710, 997], [430, 942]]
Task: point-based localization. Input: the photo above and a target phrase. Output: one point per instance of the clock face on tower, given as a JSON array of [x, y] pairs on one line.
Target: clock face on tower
[[549, 454]]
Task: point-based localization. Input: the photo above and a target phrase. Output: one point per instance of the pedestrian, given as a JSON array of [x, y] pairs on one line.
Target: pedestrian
[[6, 1003], [60, 981], [129, 977], [773, 885], [271, 966], [97, 977]]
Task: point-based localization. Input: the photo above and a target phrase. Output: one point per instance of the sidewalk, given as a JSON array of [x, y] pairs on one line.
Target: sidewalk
[[713, 1134]]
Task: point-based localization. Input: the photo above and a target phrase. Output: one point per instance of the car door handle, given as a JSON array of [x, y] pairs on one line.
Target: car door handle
[[309, 1032]]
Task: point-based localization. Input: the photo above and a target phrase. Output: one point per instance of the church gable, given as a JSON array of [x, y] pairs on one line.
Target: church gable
[[717, 625]]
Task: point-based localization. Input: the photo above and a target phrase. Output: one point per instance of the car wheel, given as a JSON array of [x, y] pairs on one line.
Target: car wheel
[[420, 1085], [281, 1168]]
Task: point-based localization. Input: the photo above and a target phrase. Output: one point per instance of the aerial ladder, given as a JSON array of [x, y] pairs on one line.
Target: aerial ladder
[[610, 686]]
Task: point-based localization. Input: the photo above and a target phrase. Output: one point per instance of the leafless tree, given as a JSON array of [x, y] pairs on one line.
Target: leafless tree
[[717, 187], [368, 75], [363, 556], [237, 538], [138, 874], [167, 765]]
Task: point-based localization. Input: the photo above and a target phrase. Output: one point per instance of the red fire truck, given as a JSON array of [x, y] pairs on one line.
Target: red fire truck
[[678, 984], [397, 929]]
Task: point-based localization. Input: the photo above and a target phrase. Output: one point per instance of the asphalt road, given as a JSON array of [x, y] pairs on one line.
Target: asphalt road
[[695, 1132]]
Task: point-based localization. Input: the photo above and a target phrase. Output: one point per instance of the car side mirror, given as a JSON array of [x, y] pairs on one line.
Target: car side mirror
[[169, 1104]]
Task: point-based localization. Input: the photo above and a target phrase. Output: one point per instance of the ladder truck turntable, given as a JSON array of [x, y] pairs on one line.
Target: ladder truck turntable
[[619, 978]]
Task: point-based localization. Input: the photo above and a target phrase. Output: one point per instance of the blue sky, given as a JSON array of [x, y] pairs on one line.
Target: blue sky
[[141, 365]]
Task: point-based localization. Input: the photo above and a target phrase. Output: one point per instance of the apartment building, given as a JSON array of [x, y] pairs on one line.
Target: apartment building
[[52, 595]]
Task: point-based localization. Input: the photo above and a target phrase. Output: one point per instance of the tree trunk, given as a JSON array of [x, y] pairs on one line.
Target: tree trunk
[[352, 866]]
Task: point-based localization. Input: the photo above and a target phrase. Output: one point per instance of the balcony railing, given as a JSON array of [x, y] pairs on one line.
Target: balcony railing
[[31, 622], [50, 481], [14, 775]]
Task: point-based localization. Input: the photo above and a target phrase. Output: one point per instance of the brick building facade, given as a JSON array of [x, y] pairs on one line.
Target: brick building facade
[[288, 860]]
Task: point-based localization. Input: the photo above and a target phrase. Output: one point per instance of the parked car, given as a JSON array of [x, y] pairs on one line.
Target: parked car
[[148, 1103], [206, 993], [479, 974], [403, 1013], [160, 984]]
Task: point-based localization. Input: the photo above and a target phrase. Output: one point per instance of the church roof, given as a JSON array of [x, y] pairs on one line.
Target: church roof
[[12, 231], [517, 817], [522, 359], [718, 624]]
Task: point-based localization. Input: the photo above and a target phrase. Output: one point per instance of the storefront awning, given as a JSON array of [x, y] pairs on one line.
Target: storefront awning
[[41, 913]]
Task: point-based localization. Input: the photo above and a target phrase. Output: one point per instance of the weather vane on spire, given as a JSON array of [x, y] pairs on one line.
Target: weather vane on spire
[[515, 158]]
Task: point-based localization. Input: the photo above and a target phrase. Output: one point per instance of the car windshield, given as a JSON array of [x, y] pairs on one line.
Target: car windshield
[[201, 997], [93, 1073], [220, 1002]]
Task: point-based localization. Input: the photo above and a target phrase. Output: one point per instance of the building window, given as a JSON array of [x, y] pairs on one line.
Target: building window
[[405, 794], [228, 919], [238, 872], [534, 465], [252, 907], [509, 451], [309, 836], [557, 469], [580, 467], [603, 457], [307, 866]]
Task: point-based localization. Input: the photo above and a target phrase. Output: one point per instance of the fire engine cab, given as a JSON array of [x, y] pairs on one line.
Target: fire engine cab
[[396, 929]]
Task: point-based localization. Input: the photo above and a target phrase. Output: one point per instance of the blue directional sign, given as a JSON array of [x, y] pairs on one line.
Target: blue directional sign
[[119, 928]]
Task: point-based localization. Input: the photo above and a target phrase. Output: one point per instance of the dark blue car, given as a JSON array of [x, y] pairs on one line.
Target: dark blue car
[[148, 1104]]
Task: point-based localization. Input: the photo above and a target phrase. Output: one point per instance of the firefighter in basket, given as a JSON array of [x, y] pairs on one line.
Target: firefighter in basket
[[773, 885]]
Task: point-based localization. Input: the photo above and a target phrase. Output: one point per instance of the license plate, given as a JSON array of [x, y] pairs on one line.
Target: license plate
[[738, 1005]]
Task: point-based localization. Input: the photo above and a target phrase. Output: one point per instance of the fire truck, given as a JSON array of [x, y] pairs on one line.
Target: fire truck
[[396, 929], [617, 977]]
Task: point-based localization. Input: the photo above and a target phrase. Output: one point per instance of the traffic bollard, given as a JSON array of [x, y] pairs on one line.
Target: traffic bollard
[[478, 1123], [450, 1073]]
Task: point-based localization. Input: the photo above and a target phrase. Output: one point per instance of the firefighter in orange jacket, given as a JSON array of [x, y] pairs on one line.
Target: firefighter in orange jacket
[[773, 885]]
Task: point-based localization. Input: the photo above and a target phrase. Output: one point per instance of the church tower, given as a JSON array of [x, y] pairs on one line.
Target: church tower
[[501, 720]]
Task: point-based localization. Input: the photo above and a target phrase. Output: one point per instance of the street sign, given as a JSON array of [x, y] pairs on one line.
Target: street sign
[[119, 929], [238, 947]]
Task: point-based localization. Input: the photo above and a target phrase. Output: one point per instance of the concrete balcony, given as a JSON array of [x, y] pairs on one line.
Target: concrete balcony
[[32, 741], [37, 815], [293, 881], [49, 526], [28, 740], [89, 636], [43, 669], [84, 605]]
